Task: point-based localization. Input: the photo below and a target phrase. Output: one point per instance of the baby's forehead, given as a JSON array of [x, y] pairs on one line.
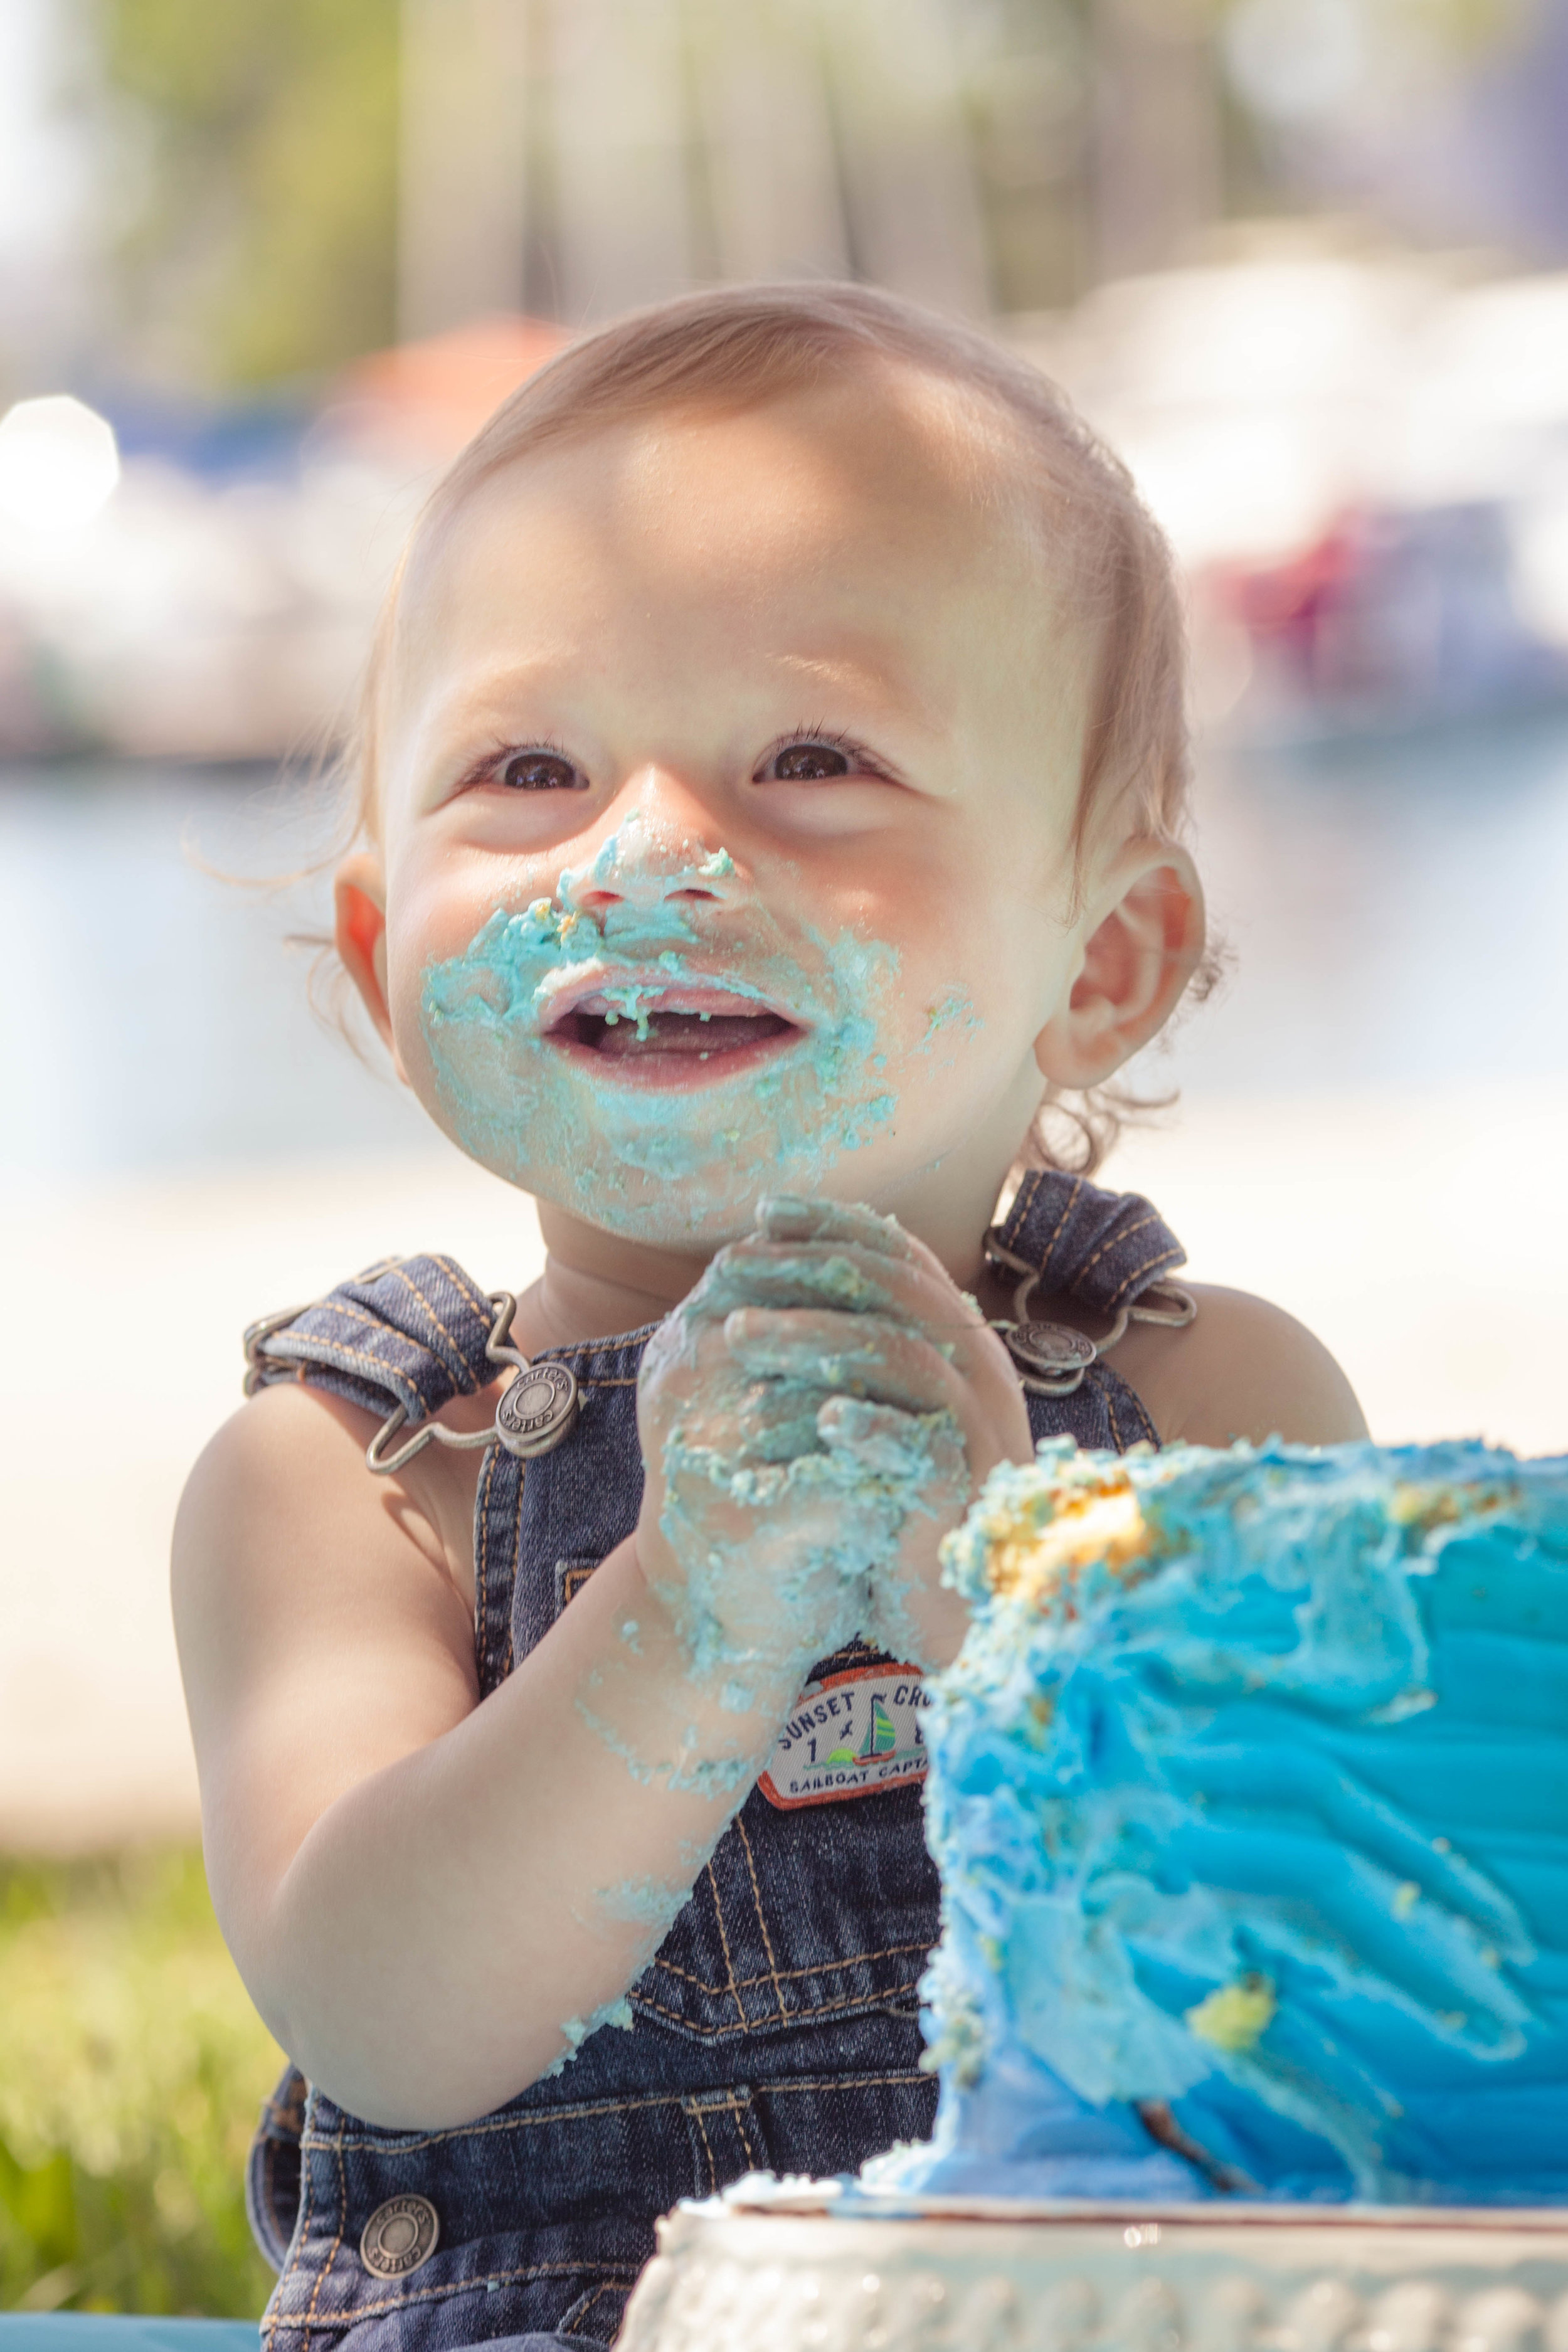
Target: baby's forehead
[[847, 535], [954, 477]]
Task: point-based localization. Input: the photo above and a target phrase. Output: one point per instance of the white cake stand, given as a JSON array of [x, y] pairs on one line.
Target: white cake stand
[[795, 2266]]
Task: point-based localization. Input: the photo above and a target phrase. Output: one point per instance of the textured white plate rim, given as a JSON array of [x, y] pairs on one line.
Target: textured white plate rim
[[824, 2200]]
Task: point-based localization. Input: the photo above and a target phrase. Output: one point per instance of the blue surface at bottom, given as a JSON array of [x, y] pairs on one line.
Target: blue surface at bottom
[[92, 2331]]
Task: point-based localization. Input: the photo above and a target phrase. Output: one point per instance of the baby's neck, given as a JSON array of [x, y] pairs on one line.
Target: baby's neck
[[595, 1285]]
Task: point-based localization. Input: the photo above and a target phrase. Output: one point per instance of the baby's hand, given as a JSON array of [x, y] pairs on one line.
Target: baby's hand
[[814, 1419]]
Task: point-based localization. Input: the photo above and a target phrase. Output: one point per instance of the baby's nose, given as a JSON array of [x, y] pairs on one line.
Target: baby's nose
[[643, 863]]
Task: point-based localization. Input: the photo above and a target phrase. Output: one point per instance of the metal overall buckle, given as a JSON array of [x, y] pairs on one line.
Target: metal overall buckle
[[536, 1411], [1052, 1358]]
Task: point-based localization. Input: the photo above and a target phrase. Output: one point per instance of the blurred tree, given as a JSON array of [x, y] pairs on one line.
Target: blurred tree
[[134, 2069], [262, 247]]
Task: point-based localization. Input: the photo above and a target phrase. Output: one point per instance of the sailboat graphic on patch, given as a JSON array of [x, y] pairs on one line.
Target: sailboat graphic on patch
[[849, 1734], [881, 1740]]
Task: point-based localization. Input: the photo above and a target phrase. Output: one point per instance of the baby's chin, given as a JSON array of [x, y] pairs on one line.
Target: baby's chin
[[692, 1215]]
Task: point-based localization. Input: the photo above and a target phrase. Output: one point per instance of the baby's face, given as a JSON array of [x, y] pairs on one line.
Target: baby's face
[[727, 773]]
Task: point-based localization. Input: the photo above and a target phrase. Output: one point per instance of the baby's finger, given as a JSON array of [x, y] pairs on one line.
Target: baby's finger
[[921, 1453], [788, 1217], [921, 1293], [839, 1276], [849, 1355]]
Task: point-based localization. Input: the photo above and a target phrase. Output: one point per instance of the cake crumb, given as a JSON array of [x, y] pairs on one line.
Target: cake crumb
[[1235, 2016]]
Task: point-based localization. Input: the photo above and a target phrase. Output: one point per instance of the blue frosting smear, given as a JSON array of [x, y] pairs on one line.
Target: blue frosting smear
[[659, 1162], [1249, 1794]]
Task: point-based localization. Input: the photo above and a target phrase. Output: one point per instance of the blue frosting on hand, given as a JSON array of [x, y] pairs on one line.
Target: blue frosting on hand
[[1249, 1793]]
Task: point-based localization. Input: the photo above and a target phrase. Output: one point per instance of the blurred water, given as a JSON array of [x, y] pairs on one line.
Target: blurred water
[[155, 1015], [1396, 914]]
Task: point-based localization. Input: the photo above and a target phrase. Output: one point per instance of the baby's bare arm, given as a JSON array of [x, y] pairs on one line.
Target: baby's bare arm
[[1243, 1368], [421, 1891]]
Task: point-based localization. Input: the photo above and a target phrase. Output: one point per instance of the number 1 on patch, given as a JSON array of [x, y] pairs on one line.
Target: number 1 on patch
[[849, 1734]]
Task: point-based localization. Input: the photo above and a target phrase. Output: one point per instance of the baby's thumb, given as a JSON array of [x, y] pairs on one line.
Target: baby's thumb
[[899, 1453]]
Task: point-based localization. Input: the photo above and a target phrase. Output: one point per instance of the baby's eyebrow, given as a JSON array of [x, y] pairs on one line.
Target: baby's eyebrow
[[871, 673], [481, 701]]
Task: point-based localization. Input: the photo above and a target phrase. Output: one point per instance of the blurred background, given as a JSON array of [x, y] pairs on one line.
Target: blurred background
[[263, 266]]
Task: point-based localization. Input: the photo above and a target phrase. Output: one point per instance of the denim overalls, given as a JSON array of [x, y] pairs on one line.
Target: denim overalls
[[775, 2029]]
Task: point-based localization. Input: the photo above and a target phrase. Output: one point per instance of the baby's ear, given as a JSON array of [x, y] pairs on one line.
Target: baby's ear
[[1145, 935], [359, 900]]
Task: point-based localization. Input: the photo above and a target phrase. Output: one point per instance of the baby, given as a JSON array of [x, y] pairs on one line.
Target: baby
[[773, 778]]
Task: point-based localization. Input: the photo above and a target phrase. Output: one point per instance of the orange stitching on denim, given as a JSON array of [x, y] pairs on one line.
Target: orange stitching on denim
[[300, 2231], [1114, 1240], [724, 1939], [1108, 1396], [605, 2286], [587, 2110], [358, 1356], [846, 2082], [1022, 1208], [743, 2109], [804, 2016], [454, 1345], [340, 1348], [506, 1663], [816, 1969], [1023, 1201], [333, 2249], [592, 1350], [614, 2274], [1164, 1257], [761, 1921], [460, 1279], [700, 2104], [589, 1351], [1109, 1382], [481, 1555], [694, 2115], [346, 1307], [1074, 1189]]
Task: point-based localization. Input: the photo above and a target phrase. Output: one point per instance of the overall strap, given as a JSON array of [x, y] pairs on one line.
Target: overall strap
[[1103, 1249], [411, 1330]]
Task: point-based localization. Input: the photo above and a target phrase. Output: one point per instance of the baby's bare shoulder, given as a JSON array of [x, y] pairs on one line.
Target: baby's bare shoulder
[[322, 1627], [1243, 1368]]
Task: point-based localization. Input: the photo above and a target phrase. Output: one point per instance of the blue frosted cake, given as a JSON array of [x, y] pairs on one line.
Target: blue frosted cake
[[1249, 1794]]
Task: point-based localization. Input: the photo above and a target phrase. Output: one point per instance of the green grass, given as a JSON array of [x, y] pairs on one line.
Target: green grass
[[131, 2069]]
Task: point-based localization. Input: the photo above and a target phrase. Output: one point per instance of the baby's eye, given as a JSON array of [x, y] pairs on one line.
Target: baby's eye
[[542, 772], [806, 762]]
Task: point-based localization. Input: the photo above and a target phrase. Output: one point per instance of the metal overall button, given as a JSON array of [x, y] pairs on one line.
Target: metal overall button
[[1052, 1358], [536, 1411], [399, 2237], [1050, 1348]]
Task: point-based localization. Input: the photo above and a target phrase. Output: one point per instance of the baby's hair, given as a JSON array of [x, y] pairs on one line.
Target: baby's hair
[[736, 348]]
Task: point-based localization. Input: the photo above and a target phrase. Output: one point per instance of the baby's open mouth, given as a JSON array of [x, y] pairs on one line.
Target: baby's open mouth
[[679, 1036], [622, 1038]]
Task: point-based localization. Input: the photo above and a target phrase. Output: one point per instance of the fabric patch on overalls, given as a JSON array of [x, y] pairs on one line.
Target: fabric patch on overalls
[[849, 1734]]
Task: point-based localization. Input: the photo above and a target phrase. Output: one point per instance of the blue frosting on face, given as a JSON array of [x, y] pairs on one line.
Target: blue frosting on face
[[1249, 1793], [662, 1163]]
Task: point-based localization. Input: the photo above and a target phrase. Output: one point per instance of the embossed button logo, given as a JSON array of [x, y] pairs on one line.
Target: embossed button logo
[[538, 1409], [1050, 1348], [399, 2236]]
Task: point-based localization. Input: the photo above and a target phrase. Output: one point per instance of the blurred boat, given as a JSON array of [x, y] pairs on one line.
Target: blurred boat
[[215, 602], [1362, 463], [1393, 619]]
